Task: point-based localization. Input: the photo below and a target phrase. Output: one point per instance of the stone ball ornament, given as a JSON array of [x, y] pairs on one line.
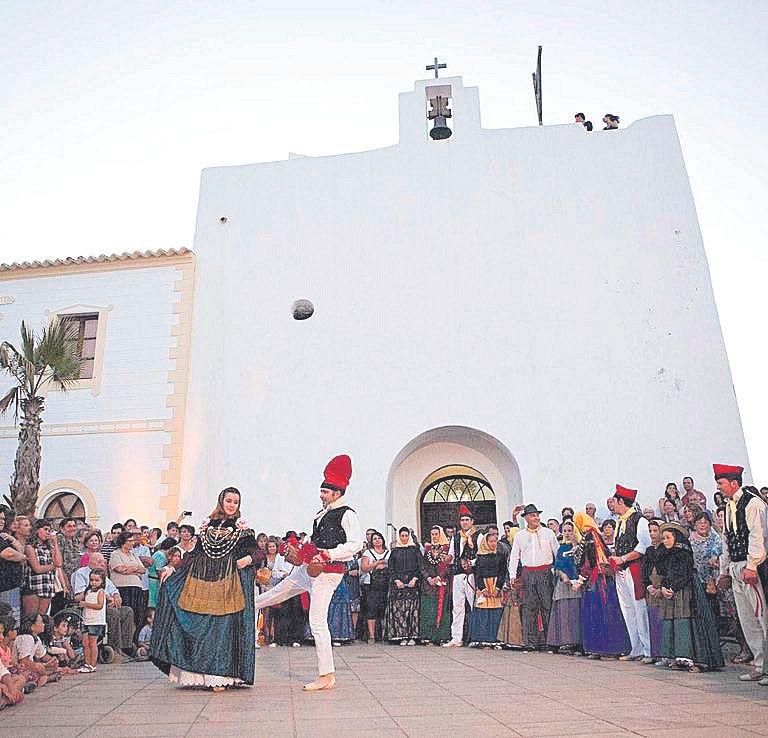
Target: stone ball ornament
[[302, 309]]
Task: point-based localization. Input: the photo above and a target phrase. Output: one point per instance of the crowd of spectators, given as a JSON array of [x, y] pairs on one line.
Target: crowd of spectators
[[60, 585]]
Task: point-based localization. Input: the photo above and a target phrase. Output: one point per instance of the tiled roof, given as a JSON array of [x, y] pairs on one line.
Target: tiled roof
[[71, 261]]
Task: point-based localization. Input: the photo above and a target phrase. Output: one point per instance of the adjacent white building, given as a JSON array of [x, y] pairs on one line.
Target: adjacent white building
[[501, 316], [111, 446]]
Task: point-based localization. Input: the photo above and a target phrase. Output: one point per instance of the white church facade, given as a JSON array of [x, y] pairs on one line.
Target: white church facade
[[498, 317]]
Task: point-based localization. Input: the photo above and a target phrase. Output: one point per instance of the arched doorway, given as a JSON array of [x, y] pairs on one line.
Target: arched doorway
[[431, 453], [446, 489], [64, 504]]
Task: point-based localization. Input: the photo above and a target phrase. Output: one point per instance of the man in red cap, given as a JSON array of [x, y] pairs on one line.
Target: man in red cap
[[337, 535], [463, 549], [744, 549], [632, 540]]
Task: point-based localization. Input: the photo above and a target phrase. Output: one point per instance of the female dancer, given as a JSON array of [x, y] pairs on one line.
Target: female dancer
[[204, 624], [564, 632], [689, 634], [436, 607], [603, 631], [401, 618]]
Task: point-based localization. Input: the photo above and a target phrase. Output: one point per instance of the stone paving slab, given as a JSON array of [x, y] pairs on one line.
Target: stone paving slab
[[388, 691]]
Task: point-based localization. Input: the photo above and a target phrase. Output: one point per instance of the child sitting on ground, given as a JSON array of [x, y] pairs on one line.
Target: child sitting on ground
[[61, 645], [94, 604], [30, 655], [11, 685], [145, 636]]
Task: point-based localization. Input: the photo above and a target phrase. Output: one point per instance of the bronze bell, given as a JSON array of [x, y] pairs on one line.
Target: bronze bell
[[439, 112]]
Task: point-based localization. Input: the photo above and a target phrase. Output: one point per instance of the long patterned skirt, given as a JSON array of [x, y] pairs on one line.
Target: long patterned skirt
[[484, 624], [429, 629], [656, 628], [401, 619], [289, 621], [340, 614], [565, 618], [603, 630], [510, 631]]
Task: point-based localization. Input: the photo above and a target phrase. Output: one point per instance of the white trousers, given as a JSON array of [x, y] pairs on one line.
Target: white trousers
[[746, 605], [321, 589], [463, 590], [635, 614]]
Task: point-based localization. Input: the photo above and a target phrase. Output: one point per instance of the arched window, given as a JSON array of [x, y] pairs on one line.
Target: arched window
[[65, 504], [445, 490]]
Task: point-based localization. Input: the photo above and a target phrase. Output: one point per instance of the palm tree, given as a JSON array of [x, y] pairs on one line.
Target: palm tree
[[50, 358]]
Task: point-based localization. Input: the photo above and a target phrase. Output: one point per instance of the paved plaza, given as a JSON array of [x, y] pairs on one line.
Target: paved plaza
[[393, 691]]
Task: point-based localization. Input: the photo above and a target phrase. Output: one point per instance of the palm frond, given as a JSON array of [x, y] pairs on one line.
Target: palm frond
[[15, 364], [27, 343], [11, 398], [56, 354]]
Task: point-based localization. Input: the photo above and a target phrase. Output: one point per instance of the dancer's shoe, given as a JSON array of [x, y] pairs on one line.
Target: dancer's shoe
[[318, 686]]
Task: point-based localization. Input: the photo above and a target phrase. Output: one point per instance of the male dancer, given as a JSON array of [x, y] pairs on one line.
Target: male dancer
[[632, 539], [744, 532], [534, 548], [463, 549], [337, 535]]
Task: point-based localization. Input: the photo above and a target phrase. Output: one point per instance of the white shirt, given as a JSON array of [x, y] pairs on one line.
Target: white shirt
[[30, 646], [373, 557], [351, 525], [81, 579], [533, 548], [138, 551], [755, 514]]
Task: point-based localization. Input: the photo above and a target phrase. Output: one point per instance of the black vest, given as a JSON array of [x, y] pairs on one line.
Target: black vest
[[627, 541], [738, 538], [327, 532]]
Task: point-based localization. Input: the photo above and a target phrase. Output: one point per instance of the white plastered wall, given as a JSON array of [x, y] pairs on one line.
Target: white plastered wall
[[546, 286]]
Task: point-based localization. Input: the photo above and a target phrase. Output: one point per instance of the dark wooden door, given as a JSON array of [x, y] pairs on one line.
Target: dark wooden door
[[447, 514]]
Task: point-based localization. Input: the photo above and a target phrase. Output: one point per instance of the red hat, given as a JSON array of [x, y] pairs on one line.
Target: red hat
[[629, 495], [727, 471], [338, 473], [464, 510]]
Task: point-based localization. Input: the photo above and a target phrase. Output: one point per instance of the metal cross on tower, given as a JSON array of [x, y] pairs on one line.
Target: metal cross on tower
[[437, 67]]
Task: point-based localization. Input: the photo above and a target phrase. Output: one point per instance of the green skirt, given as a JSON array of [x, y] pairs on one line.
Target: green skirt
[[428, 631]]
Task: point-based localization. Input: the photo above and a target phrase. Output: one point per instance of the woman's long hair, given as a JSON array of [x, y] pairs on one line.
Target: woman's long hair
[[218, 512]]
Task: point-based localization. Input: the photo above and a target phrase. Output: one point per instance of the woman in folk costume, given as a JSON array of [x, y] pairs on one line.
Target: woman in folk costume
[[690, 637], [205, 619], [564, 630], [655, 622], [401, 618], [336, 538], [340, 614], [490, 571], [435, 607], [603, 632], [510, 633]]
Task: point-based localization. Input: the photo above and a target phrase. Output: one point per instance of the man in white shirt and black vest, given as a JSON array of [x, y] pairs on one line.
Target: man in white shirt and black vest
[[534, 549], [463, 550], [744, 550], [632, 539], [337, 536]]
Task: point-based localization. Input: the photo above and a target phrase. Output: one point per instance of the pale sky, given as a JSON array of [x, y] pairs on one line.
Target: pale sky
[[110, 110]]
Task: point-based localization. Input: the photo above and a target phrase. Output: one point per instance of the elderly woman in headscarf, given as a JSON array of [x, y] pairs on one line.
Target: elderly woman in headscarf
[[401, 618], [435, 608], [689, 638], [564, 631], [490, 571], [603, 631], [655, 623]]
